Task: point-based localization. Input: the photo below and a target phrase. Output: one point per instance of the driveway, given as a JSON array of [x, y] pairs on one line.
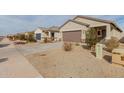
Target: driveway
[[37, 47], [13, 64]]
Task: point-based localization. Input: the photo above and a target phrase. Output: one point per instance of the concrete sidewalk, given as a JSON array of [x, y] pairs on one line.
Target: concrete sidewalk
[[13, 64]]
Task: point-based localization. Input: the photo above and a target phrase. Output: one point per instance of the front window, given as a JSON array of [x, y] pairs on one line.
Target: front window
[[99, 33]]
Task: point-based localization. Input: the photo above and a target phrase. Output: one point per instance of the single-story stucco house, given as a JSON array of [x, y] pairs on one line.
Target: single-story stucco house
[[75, 30], [50, 33]]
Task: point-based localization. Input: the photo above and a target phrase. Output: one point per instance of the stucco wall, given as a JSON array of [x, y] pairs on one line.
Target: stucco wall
[[116, 33], [38, 31], [71, 26]]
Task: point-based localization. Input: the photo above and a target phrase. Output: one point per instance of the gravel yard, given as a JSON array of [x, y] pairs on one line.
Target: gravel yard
[[77, 63]]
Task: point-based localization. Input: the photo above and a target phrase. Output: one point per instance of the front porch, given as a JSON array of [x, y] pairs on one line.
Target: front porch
[[101, 33]]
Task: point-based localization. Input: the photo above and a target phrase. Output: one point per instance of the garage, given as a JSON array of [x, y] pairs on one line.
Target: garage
[[72, 36], [38, 36]]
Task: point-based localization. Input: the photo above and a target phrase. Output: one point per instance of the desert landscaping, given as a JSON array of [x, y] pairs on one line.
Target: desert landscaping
[[77, 63]]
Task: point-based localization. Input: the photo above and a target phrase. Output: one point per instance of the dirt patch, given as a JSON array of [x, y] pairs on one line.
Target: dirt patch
[[74, 64]]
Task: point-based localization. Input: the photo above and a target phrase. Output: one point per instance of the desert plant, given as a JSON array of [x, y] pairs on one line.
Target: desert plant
[[31, 38], [67, 46], [22, 36], [45, 40], [77, 44], [112, 43], [91, 37]]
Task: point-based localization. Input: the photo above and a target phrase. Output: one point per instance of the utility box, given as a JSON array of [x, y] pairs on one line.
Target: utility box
[[99, 51], [118, 56]]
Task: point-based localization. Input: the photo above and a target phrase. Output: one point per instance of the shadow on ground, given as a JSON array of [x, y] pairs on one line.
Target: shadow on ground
[[3, 60], [108, 58], [93, 53], [85, 47], [3, 45]]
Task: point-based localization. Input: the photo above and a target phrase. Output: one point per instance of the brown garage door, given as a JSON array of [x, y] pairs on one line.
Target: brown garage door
[[72, 36]]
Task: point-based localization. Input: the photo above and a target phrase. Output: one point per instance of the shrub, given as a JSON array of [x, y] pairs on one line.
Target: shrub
[[67, 46], [45, 40], [77, 44], [112, 43], [22, 36], [31, 38]]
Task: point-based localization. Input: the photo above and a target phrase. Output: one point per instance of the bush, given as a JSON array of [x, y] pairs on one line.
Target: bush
[[67, 46], [30, 38], [45, 40], [22, 36], [77, 44], [112, 43]]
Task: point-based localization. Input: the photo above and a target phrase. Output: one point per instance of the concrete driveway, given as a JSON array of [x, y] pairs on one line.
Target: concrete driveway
[[37, 47], [13, 64]]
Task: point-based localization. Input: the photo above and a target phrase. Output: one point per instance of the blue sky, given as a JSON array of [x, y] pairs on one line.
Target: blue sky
[[10, 24]]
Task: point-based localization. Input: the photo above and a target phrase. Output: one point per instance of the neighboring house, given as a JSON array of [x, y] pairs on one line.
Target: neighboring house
[[40, 33], [75, 30], [54, 33], [50, 33]]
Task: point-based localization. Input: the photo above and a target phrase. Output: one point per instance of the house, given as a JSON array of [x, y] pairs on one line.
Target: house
[[51, 33], [54, 33], [40, 33], [75, 30]]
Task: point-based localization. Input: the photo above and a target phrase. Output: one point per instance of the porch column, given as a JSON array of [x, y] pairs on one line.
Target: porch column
[[49, 34], [108, 32]]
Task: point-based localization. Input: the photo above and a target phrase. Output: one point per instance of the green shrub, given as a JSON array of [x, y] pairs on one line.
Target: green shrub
[[112, 43], [67, 46]]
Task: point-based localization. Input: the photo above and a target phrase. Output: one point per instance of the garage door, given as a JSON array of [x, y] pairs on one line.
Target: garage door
[[72, 36], [38, 36]]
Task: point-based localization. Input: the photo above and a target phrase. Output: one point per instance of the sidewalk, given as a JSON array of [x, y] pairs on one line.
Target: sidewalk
[[13, 64]]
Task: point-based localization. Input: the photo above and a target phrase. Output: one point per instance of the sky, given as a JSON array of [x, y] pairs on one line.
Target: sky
[[11, 24]]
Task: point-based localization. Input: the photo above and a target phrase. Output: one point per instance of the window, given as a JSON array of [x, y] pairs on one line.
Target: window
[[99, 33]]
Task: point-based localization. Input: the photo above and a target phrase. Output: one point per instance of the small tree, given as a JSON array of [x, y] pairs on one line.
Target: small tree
[[91, 37]]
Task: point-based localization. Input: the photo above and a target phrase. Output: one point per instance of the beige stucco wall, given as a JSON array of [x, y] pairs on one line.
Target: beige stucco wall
[[116, 33], [58, 36], [38, 31], [70, 26], [42, 34]]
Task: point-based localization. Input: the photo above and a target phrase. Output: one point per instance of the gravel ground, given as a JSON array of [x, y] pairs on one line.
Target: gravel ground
[[75, 64]]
